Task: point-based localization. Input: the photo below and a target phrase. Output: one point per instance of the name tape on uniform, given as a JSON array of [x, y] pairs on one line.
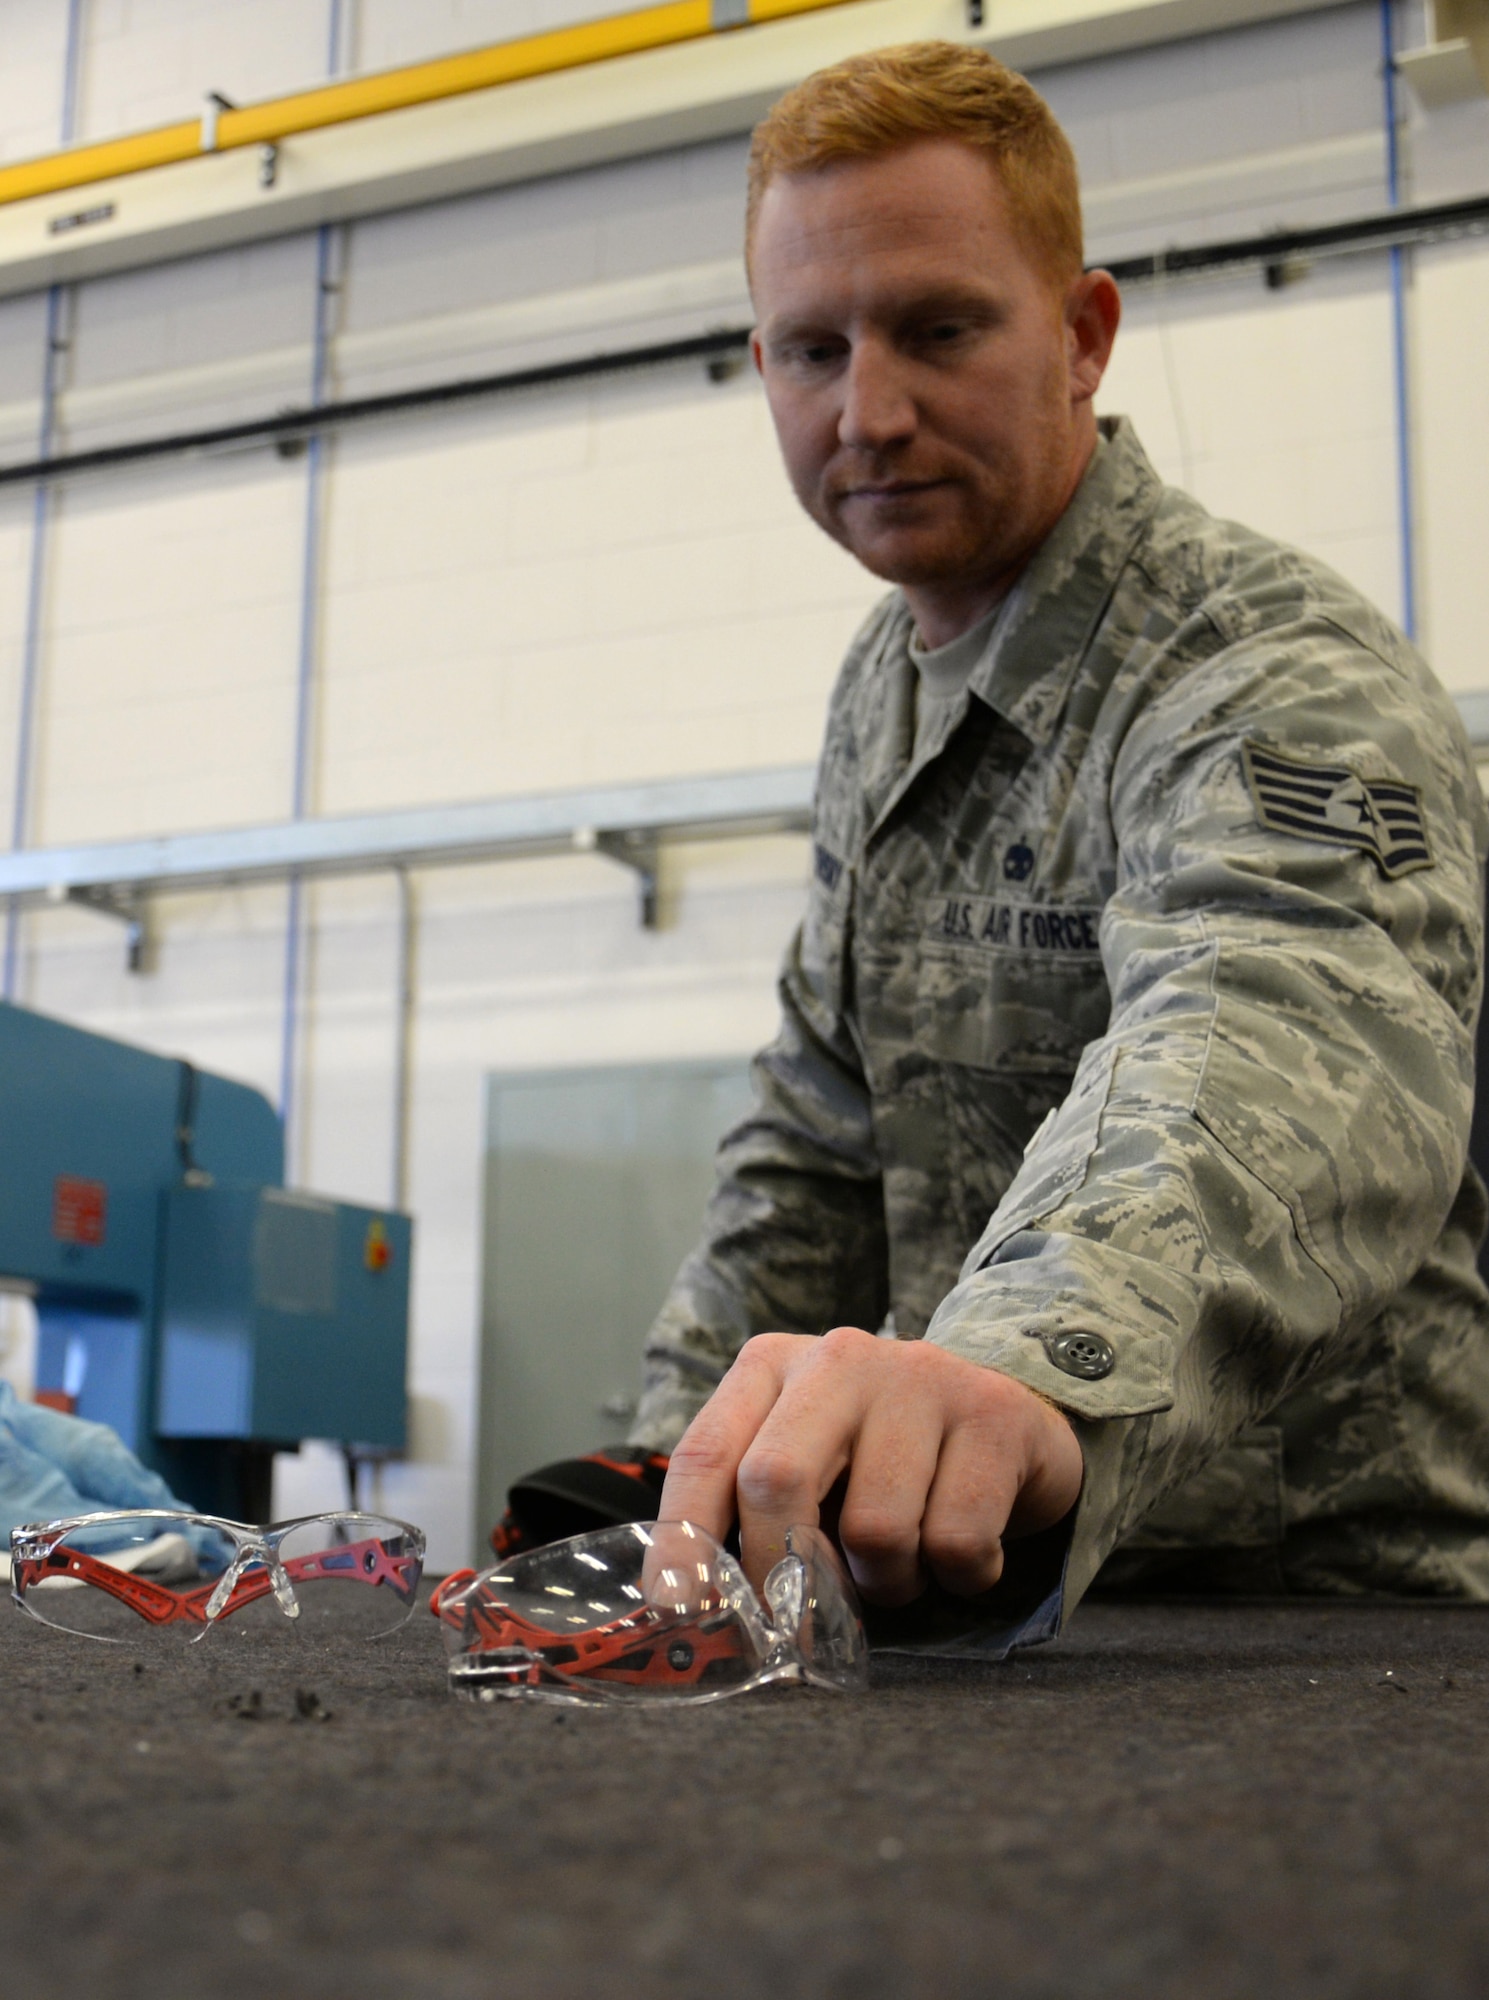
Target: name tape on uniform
[[980, 920], [1380, 816]]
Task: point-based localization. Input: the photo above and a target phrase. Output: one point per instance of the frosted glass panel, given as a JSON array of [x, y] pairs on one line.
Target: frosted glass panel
[[595, 1186]]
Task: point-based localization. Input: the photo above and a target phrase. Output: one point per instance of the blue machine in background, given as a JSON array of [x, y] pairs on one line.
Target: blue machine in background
[[183, 1294]]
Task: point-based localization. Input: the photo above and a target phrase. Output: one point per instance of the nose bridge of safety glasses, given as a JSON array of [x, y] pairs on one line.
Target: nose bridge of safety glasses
[[251, 1549]]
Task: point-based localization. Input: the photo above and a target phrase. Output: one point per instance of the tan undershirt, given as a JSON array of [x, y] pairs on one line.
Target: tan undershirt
[[942, 674]]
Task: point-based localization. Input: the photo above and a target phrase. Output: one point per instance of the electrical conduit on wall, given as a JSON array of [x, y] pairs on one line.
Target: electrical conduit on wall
[[1405, 512], [329, 259], [43, 506]]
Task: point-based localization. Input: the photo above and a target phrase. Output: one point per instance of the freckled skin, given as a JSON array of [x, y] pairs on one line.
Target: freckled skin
[[930, 382]]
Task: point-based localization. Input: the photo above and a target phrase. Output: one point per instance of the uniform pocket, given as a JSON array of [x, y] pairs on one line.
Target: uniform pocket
[[1010, 986]]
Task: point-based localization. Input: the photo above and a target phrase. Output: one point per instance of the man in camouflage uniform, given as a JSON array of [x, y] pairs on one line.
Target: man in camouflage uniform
[[1125, 1067]]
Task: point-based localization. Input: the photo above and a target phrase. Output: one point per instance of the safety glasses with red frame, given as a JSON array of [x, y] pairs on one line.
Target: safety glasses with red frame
[[650, 1611], [132, 1575]]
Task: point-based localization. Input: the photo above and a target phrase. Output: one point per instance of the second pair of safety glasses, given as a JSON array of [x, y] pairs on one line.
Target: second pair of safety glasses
[[650, 1611], [157, 1573]]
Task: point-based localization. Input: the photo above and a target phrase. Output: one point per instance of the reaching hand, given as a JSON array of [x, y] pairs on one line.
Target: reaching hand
[[942, 1459]]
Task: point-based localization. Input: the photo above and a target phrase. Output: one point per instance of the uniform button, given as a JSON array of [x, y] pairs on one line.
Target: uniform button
[[1083, 1354]]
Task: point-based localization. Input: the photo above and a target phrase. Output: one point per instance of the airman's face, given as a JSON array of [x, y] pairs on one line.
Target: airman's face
[[930, 384]]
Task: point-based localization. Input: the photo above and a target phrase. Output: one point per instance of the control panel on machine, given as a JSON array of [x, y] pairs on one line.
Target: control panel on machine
[[182, 1293]]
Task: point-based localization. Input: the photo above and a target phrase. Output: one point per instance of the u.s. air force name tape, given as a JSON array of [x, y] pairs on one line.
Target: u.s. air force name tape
[[1380, 816], [981, 920]]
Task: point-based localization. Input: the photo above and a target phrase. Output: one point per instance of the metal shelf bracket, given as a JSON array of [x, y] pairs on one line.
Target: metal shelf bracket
[[125, 906], [640, 850]]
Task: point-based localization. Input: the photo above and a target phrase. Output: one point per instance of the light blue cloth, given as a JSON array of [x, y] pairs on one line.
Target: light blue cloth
[[52, 1465]]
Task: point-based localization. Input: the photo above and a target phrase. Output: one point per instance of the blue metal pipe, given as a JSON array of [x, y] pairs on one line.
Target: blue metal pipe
[[326, 285], [41, 513], [1405, 508], [72, 69]]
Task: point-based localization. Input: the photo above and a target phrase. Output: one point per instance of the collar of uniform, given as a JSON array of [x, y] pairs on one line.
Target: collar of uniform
[[885, 713], [1053, 609], [893, 759]]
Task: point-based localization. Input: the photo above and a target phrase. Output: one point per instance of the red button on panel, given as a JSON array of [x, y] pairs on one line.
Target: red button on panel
[[79, 1209]]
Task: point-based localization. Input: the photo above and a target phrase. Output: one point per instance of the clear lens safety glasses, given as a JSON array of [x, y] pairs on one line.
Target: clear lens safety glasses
[[129, 1576], [650, 1611]]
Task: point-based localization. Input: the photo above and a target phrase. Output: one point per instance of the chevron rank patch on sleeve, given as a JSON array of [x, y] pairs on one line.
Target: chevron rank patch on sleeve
[[1380, 816]]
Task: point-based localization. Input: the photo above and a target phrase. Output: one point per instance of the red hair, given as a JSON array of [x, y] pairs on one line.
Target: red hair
[[874, 104]]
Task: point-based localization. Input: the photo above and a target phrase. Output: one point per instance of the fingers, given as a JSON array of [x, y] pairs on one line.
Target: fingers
[[1055, 1472], [880, 1528], [804, 1445], [941, 1457], [700, 1483], [777, 1433], [967, 1508], [1010, 1464]]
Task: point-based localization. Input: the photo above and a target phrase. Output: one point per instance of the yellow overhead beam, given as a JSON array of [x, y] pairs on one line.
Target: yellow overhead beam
[[94, 211], [397, 89]]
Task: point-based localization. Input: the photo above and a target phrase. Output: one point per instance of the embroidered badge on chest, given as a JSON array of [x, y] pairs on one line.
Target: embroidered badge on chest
[[1380, 816], [1018, 861]]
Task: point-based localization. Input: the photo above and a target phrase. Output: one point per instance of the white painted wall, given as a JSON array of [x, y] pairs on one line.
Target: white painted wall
[[1275, 409], [595, 584]]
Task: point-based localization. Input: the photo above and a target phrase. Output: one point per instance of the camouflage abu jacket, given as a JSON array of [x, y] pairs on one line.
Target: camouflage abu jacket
[[1127, 1048]]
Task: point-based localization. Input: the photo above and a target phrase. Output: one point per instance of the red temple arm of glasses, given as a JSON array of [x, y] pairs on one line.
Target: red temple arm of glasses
[[632, 1649], [353, 1562], [154, 1603]]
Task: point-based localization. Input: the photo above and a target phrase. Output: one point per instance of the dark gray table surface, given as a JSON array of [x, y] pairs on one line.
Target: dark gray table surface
[[1189, 1800]]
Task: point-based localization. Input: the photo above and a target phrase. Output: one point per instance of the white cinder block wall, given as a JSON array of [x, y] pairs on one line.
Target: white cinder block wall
[[602, 583]]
